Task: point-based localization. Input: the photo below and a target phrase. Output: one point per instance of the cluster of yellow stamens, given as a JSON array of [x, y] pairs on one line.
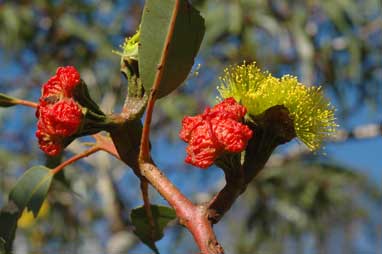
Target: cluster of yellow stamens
[[130, 47], [311, 112]]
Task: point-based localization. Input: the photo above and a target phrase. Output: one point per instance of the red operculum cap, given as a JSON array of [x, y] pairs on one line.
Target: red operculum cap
[[202, 149], [52, 87], [218, 130], [69, 78], [57, 122], [231, 134], [61, 84], [229, 108], [59, 115], [62, 118], [189, 123]]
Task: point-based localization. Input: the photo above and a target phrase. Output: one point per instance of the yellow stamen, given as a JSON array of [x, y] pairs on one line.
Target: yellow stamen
[[312, 114]]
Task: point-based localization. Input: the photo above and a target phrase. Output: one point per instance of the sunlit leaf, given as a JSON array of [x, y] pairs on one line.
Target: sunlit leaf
[[171, 33]]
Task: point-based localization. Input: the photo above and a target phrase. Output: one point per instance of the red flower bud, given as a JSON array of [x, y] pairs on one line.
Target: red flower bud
[[57, 122], [62, 118], [189, 123], [215, 132], [202, 150], [229, 108], [232, 135], [69, 78], [52, 87], [61, 84], [59, 115]]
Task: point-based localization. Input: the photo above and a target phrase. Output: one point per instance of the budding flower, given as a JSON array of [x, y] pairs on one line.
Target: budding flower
[[312, 114], [215, 132], [59, 115], [57, 122], [62, 84], [62, 118]]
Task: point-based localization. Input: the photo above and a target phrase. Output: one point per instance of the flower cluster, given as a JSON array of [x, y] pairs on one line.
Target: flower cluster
[[215, 132], [312, 114], [59, 115]]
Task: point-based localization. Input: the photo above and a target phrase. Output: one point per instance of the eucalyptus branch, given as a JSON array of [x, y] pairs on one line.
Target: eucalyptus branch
[[106, 144], [194, 218], [144, 151], [75, 158], [27, 103], [8, 101]]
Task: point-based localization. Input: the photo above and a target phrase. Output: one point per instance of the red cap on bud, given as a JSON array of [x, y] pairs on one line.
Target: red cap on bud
[[215, 132], [59, 115]]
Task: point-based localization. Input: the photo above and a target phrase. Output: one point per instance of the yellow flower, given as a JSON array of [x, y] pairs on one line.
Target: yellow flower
[[130, 47], [312, 114]]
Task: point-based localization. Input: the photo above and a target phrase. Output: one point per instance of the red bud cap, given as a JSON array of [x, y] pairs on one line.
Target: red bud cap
[[59, 115], [218, 130]]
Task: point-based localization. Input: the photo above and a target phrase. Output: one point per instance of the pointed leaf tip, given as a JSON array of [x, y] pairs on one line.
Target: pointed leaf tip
[[6, 101], [162, 216]]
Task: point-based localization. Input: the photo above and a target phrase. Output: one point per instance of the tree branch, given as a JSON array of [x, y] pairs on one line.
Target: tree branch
[[30, 104], [194, 218], [75, 158]]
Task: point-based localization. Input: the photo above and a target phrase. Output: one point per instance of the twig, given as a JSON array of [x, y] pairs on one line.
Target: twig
[[144, 151], [195, 218], [25, 103], [106, 144], [75, 158]]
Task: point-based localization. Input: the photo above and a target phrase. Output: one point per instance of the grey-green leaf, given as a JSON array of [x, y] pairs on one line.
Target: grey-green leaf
[[171, 33], [162, 216], [29, 192], [6, 101]]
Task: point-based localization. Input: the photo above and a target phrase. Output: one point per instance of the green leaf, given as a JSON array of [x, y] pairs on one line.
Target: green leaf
[[162, 216], [6, 101], [171, 34], [29, 192]]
